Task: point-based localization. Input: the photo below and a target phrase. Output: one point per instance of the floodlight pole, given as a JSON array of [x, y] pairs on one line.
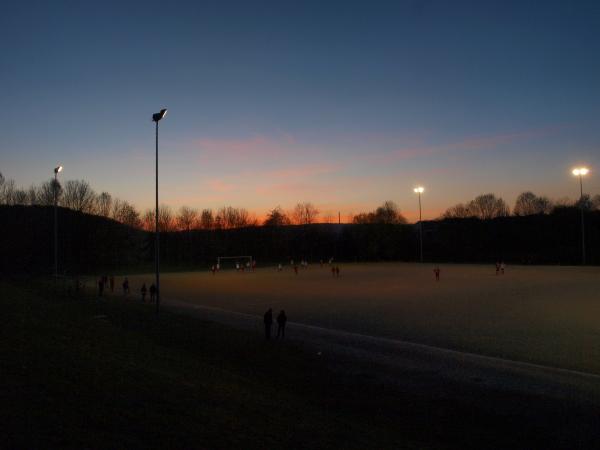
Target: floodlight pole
[[420, 228], [55, 225], [419, 190], [156, 232], [156, 118], [582, 218]]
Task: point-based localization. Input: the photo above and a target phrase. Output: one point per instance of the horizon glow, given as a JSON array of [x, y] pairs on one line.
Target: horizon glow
[[345, 105]]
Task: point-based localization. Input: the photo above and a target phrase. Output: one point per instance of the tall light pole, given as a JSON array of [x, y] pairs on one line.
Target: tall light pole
[[156, 118], [57, 170], [419, 190], [581, 172]]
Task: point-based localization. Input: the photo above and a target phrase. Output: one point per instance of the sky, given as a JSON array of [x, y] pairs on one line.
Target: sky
[[343, 104]]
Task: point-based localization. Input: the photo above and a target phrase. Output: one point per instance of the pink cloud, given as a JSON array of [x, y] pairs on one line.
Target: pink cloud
[[472, 143], [243, 149], [304, 171], [218, 185]]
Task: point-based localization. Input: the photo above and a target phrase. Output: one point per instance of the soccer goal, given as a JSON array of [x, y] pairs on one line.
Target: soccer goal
[[234, 262]]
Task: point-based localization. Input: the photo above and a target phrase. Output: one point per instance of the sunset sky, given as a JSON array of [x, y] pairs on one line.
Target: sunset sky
[[342, 104]]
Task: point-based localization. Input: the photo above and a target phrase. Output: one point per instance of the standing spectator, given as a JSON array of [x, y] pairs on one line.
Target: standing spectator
[[281, 320], [436, 271], [126, 286], [152, 293], [268, 320], [100, 287]]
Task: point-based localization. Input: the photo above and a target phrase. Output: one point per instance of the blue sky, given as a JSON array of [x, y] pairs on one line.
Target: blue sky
[[270, 103]]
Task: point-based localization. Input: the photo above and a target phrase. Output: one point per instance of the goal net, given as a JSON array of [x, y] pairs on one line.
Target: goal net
[[234, 262]]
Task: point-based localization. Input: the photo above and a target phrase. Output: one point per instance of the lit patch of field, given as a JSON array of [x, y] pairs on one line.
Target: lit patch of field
[[546, 315]]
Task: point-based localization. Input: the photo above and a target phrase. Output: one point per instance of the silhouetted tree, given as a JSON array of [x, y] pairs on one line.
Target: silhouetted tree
[[584, 202], [388, 213], [596, 202], [305, 213], [488, 206], [48, 190], [207, 220], [186, 218], [276, 218], [7, 192], [104, 204], [79, 196], [126, 213], [458, 211], [32, 195], [166, 221], [528, 204], [19, 197], [230, 217]]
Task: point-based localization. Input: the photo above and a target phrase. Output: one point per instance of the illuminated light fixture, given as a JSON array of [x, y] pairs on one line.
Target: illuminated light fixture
[[159, 115], [419, 190], [57, 170]]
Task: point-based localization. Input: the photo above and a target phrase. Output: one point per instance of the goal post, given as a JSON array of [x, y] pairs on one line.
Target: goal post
[[231, 261]]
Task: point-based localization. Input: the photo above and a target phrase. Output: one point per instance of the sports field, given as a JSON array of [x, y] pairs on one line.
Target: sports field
[[545, 315]]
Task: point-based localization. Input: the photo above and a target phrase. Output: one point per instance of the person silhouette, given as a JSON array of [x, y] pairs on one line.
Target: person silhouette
[[268, 320], [126, 286], [152, 293], [143, 290], [281, 320]]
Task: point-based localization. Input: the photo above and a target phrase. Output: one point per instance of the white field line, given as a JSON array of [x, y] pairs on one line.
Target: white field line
[[398, 342]]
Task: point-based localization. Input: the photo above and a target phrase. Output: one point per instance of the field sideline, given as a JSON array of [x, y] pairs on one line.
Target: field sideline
[[539, 314]]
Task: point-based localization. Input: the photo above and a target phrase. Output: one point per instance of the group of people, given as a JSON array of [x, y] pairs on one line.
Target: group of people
[[109, 281], [105, 280], [144, 292], [268, 321], [239, 267]]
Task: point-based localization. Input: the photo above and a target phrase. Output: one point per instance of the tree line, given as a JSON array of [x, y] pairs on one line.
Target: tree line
[[79, 196], [488, 206]]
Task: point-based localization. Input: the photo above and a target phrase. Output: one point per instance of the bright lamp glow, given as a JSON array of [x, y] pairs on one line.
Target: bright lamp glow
[[578, 171], [159, 115], [419, 190], [58, 169]]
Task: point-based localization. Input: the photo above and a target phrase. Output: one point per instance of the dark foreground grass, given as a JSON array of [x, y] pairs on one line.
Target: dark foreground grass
[[84, 373], [89, 373]]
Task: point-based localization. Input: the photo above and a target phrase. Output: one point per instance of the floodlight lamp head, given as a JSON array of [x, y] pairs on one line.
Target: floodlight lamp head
[[58, 169], [419, 190], [580, 171], [159, 115]]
